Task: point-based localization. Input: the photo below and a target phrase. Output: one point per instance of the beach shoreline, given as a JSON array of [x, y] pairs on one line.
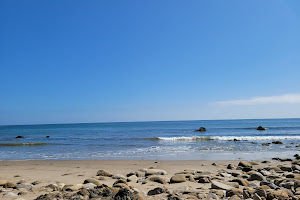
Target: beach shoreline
[[74, 172]]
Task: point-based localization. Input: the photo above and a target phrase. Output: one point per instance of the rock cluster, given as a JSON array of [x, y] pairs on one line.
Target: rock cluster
[[247, 180]]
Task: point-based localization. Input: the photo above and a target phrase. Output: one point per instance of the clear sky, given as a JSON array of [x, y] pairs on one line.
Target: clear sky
[[101, 61]]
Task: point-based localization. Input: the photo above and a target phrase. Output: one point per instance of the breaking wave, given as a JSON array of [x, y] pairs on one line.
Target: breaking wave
[[226, 138]]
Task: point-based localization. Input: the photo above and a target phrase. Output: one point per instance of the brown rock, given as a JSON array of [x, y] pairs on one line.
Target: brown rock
[[245, 164], [158, 179], [234, 191], [102, 172], [93, 180], [178, 178], [10, 185]]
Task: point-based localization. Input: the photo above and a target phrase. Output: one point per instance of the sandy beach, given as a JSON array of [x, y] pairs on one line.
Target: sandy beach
[[149, 179]]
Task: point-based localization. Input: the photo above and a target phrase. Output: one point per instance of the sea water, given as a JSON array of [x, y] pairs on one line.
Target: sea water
[[161, 140]]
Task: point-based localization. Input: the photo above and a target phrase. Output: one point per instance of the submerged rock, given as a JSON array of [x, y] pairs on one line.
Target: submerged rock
[[277, 142], [19, 136]]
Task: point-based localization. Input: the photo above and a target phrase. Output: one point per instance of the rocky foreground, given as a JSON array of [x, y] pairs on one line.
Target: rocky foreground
[[276, 179]]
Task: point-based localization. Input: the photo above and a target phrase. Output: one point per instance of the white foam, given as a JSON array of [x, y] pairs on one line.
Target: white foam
[[228, 138]]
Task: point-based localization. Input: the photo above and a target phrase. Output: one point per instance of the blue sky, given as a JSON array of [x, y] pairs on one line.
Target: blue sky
[[100, 61]]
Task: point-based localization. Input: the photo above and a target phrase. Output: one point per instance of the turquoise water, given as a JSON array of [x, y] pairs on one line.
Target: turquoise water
[[169, 140]]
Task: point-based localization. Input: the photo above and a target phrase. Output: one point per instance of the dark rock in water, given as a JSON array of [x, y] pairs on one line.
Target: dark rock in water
[[260, 128], [47, 136], [266, 144], [201, 129], [19, 136], [277, 142], [297, 156], [235, 140]]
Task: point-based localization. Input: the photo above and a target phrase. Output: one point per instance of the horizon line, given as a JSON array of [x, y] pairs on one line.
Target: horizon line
[[72, 123]]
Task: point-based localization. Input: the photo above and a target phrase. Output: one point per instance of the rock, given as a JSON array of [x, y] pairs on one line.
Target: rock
[[183, 190], [265, 161], [150, 172], [247, 169], [261, 192], [287, 185], [212, 196], [260, 128], [3, 182], [158, 190], [47, 136], [277, 194], [219, 185], [234, 191], [204, 180], [256, 197], [26, 186], [121, 185], [266, 144], [230, 166], [10, 194], [285, 168], [120, 181], [296, 167], [126, 194], [19, 137], [51, 196], [269, 184], [234, 197], [241, 181], [94, 181], [277, 142], [102, 193], [72, 187], [296, 162], [89, 186], [158, 179], [256, 176], [118, 176], [178, 178], [253, 162], [245, 164], [173, 197], [10, 185], [132, 178], [52, 186], [201, 129], [102, 172]]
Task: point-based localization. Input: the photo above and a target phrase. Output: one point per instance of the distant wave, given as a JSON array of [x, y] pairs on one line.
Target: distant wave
[[225, 138], [22, 144]]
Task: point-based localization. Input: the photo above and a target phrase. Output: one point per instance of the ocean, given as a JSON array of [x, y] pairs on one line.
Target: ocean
[[161, 140]]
